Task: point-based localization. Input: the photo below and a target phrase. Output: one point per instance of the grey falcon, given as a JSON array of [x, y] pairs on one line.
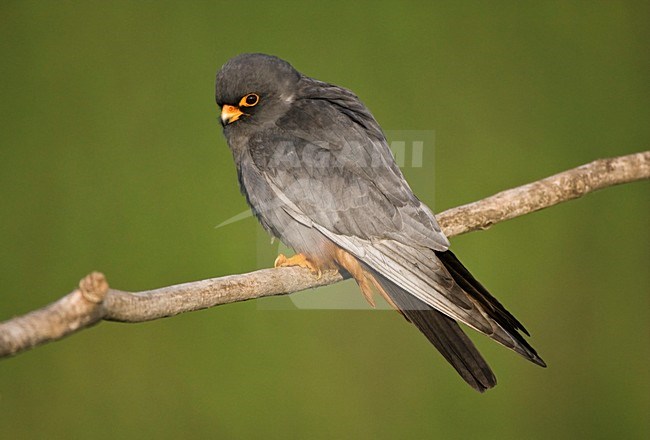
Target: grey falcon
[[317, 172]]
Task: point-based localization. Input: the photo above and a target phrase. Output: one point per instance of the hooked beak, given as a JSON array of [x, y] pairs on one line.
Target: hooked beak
[[229, 114]]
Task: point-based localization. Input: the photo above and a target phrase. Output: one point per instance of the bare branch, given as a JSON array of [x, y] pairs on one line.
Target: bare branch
[[93, 301], [561, 187]]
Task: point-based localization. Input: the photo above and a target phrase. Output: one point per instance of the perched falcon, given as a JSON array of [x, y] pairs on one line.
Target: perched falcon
[[318, 174]]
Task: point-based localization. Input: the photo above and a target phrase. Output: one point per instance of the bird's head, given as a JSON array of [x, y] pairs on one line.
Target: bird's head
[[254, 89]]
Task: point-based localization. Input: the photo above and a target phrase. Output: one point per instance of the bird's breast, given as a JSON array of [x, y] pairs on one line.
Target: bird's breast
[[272, 214]]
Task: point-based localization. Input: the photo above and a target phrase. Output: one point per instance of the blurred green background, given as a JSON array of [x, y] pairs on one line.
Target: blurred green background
[[112, 158]]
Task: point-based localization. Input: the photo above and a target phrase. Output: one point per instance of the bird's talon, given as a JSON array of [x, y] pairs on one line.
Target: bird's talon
[[280, 261], [298, 260]]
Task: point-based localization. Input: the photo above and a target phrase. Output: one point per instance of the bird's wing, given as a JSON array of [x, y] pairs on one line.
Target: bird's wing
[[335, 173], [342, 176]]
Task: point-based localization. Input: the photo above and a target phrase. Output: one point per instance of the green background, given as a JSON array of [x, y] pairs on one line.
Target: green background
[[112, 158]]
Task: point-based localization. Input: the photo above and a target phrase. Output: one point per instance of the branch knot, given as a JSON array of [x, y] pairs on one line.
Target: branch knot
[[94, 287]]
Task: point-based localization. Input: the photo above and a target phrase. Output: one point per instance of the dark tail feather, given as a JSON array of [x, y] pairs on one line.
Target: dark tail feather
[[445, 334], [474, 288], [490, 305]]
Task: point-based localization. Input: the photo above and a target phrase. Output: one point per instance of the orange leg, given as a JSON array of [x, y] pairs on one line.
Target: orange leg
[[364, 279], [382, 292], [298, 260], [351, 264]]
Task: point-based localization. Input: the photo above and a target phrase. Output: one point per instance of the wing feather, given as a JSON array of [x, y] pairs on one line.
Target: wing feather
[[343, 181]]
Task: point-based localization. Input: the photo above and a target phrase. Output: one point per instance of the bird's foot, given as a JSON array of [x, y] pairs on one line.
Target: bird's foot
[[298, 260]]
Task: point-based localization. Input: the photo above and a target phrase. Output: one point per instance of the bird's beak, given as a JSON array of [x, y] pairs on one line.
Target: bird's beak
[[229, 114]]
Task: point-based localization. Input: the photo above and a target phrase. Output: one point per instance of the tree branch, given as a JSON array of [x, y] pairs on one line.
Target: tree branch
[[94, 301], [561, 187]]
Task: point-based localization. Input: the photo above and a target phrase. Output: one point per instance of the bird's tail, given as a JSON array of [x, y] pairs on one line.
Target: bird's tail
[[445, 334], [508, 326], [442, 331]]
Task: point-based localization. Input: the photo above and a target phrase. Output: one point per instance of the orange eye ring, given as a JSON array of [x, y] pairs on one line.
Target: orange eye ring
[[249, 100]]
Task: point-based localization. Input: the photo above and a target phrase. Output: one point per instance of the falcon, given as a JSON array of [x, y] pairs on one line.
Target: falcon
[[317, 172]]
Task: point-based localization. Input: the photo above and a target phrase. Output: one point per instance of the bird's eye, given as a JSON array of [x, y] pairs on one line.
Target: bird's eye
[[249, 100]]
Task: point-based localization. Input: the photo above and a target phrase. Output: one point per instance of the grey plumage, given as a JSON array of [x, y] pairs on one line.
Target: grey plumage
[[317, 172]]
